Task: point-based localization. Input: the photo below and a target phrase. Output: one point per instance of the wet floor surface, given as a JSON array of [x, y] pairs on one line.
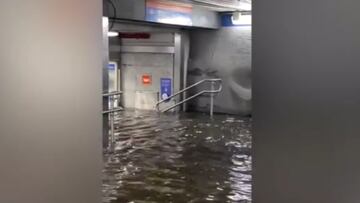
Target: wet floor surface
[[165, 158]]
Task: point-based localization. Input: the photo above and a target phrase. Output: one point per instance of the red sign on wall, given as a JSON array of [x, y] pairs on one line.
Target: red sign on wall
[[146, 80]]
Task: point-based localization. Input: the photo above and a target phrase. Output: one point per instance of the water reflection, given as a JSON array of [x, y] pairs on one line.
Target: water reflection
[[178, 158]]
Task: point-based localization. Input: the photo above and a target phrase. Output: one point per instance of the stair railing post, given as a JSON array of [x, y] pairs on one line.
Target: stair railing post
[[212, 98], [112, 128]]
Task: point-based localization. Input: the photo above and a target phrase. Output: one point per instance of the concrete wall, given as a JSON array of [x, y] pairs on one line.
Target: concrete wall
[[225, 54], [50, 101], [126, 9], [306, 101], [205, 18]]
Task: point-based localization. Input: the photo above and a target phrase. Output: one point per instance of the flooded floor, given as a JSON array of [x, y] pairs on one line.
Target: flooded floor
[[188, 157]]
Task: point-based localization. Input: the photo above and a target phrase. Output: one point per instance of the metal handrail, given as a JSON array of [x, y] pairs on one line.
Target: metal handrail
[[113, 110], [111, 94], [111, 115], [212, 92]]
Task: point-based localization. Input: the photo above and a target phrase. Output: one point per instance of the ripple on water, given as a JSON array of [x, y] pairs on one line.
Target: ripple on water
[[178, 158]]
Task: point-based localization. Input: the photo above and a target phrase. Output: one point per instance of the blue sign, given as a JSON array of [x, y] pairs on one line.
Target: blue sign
[[111, 66], [165, 87]]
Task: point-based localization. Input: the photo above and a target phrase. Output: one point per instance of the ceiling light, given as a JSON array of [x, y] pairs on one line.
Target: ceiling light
[[113, 34], [240, 19]]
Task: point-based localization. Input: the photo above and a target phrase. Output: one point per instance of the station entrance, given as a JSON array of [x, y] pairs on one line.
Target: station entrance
[[177, 100]]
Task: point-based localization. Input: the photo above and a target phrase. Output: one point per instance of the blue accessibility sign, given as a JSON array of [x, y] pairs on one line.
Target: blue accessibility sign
[[165, 87]]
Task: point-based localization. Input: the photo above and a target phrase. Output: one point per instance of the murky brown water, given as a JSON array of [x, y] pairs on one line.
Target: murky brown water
[[179, 158]]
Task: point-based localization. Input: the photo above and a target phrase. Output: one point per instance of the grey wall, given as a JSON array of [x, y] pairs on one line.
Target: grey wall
[[50, 101], [225, 54], [306, 101], [205, 18], [126, 9]]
